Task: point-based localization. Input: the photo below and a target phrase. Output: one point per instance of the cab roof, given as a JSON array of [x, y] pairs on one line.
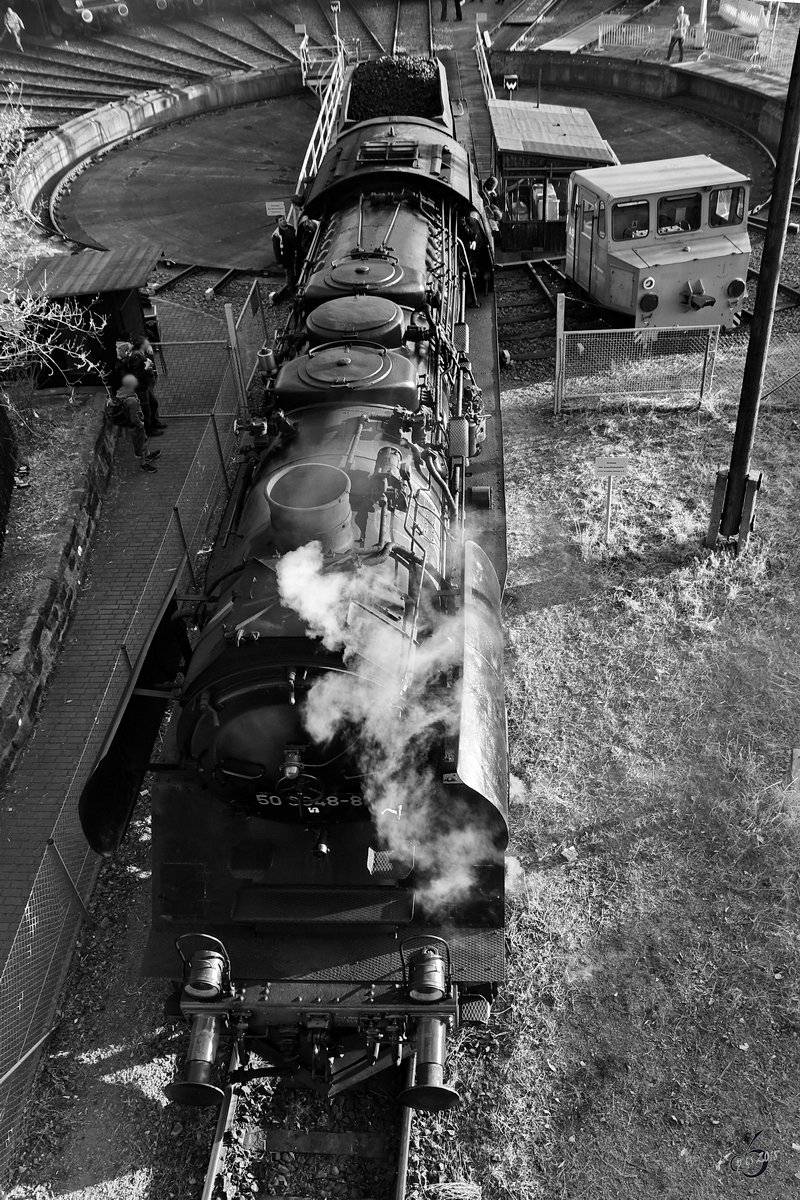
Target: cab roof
[[664, 174]]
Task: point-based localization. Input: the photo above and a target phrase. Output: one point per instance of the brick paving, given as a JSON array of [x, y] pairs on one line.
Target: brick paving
[[134, 517]]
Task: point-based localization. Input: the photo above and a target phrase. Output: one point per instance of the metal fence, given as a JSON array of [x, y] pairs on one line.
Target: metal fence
[[753, 53], [33, 973], [598, 367], [649, 39]]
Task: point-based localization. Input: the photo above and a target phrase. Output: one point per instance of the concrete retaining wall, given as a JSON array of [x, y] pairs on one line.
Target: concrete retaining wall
[[751, 103], [24, 677], [84, 136]]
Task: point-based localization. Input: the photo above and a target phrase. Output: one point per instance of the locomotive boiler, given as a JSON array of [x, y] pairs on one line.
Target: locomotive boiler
[[330, 812]]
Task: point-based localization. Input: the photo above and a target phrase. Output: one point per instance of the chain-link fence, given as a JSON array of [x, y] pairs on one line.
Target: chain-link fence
[[595, 367], [34, 970]]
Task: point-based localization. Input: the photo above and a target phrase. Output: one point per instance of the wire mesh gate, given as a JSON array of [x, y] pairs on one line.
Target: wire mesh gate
[[595, 367]]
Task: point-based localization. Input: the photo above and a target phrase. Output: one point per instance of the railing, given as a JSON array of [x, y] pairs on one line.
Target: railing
[[652, 39], [744, 14], [326, 123], [483, 65], [753, 53], [33, 972]]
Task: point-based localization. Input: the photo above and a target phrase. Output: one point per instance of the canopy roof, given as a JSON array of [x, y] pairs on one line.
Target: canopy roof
[[547, 130], [93, 271]]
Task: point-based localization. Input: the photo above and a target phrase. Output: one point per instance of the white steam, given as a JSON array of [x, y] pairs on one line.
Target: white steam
[[391, 706]]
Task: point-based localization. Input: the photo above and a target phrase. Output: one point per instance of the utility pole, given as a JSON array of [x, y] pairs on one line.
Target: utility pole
[[735, 492]]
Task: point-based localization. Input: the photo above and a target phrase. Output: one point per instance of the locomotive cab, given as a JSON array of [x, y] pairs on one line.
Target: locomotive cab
[[665, 242]]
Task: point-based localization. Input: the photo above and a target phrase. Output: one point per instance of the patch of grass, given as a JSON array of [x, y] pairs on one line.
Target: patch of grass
[[649, 1026], [53, 440]]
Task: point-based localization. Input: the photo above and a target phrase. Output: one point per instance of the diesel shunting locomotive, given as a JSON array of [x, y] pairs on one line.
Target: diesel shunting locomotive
[[330, 814]]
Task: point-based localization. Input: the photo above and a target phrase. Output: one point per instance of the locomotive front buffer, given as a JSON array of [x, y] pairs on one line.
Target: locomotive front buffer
[[306, 1027]]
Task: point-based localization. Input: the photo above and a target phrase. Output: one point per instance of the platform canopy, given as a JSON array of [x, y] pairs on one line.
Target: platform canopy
[[92, 272], [547, 132]]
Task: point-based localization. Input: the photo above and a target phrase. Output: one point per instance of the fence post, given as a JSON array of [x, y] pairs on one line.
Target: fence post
[[558, 385], [709, 360], [219, 451], [233, 342], [189, 562], [73, 888]]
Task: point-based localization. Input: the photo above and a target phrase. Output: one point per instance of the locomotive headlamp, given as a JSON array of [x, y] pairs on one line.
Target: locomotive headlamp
[[426, 968], [736, 288], [205, 975], [292, 767], [426, 975]]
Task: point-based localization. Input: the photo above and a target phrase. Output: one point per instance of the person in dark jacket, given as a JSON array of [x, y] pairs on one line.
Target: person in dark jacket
[[306, 231], [128, 393], [140, 363], [457, 5], [284, 245]]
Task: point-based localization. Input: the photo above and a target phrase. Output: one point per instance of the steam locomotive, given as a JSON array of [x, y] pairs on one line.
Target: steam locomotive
[[330, 812]]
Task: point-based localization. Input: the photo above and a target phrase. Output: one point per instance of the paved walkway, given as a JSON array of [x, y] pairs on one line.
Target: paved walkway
[[133, 520]]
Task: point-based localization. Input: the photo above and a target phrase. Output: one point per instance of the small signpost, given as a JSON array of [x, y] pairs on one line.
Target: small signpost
[[275, 208], [610, 467]]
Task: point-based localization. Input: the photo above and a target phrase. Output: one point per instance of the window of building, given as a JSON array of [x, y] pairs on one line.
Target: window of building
[[630, 219], [726, 206], [679, 214]]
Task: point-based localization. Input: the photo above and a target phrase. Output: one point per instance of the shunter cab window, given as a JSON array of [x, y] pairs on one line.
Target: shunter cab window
[[679, 214], [630, 219], [726, 206]]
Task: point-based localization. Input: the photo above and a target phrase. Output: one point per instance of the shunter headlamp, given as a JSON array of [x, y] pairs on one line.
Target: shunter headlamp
[[736, 288]]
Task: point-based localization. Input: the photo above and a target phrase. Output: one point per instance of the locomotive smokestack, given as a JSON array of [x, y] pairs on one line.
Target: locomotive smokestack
[[310, 502]]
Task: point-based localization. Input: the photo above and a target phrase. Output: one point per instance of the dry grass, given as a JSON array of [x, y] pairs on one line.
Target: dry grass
[[649, 1027], [54, 438]]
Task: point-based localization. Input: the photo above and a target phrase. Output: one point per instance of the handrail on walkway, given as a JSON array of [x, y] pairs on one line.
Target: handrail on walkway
[[323, 130], [481, 40]]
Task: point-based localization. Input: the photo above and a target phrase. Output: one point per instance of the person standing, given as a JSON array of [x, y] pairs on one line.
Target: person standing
[[679, 31], [132, 419], [457, 4], [306, 231], [13, 25], [140, 363]]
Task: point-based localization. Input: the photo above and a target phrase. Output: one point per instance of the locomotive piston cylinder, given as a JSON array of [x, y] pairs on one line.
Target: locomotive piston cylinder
[[196, 1088], [310, 502]]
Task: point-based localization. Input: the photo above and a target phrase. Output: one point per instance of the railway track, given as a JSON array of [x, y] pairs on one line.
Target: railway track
[[211, 280], [789, 297], [413, 27], [525, 295], [272, 1140]]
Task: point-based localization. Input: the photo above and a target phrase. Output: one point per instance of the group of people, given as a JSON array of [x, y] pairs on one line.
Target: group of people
[[133, 383], [290, 247]]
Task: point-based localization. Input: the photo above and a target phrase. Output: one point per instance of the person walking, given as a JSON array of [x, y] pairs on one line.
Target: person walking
[[679, 31], [13, 25], [131, 417]]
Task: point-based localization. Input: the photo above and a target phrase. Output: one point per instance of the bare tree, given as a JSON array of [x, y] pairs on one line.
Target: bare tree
[[36, 333]]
